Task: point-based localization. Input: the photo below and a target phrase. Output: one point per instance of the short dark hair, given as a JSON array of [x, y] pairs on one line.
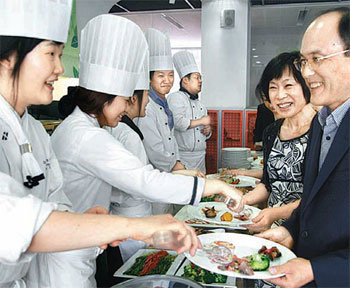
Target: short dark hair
[[188, 76], [89, 101], [275, 69], [139, 95], [343, 25]]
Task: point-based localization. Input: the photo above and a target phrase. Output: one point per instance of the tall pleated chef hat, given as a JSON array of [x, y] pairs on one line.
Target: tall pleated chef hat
[[185, 63], [112, 53], [159, 50], [143, 82], [42, 19]]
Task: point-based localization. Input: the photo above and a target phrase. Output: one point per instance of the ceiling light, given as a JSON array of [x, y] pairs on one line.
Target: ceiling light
[[255, 56], [253, 49], [172, 2], [301, 17], [172, 20], [258, 62]]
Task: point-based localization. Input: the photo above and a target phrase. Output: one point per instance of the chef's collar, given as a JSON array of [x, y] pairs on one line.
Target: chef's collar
[[192, 96]]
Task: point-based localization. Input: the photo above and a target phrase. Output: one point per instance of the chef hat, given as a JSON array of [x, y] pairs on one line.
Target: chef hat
[[159, 50], [143, 82], [42, 19], [184, 63], [112, 51]]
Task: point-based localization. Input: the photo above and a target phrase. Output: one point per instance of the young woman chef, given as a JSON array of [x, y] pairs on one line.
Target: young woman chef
[[47, 230], [30, 49], [92, 160]]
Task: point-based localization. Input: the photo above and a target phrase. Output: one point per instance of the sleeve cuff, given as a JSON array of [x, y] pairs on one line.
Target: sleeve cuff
[[199, 191]]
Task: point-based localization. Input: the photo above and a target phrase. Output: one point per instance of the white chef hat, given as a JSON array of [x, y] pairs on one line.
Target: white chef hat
[[185, 63], [42, 19], [143, 82], [112, 52], [159, 50]]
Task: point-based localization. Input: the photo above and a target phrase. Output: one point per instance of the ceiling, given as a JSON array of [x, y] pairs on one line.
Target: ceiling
[[274, 23]]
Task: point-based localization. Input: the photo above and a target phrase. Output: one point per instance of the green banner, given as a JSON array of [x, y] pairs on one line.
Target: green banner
[[70, 56]]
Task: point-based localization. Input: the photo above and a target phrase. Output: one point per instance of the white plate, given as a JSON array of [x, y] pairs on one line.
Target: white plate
[[177, 262], [245, 245], [222, 207], [230, 282], [244, 181]]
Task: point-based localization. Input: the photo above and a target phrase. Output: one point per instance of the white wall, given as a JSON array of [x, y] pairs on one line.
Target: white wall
[[224, 55]]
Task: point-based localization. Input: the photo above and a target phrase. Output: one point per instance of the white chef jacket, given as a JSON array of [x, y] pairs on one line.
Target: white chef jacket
[[42, 270], [93, 161], [160, 143], [191, 142], [125, 204], [21, 217]]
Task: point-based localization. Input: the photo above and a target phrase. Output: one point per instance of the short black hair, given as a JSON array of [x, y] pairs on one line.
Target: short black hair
[[275, 69], [188, 76], [343, 25]]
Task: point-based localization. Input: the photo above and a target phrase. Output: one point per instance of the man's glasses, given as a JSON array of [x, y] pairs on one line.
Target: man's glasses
[[314, 61]]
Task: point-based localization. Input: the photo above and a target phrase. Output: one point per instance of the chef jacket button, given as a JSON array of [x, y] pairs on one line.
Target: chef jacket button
[[160, 108], [304, 234], [197, 128], [166, 123], [172, 153], [328, 138], [195, 117], [169, 138], [201, 108], [198, 140], [193, 106]]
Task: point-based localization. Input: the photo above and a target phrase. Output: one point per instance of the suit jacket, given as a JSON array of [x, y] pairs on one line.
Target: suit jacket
[[320, 225]]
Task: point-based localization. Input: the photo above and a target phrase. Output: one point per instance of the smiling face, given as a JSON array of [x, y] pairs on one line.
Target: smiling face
[[328, 80], [162, 82], [286, 95], [39, 70], [113, 111]]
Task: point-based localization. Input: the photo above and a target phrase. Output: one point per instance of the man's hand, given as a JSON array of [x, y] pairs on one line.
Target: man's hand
[[206, 130], [298, 272], [279, 235], [263, 221], [205, 120]]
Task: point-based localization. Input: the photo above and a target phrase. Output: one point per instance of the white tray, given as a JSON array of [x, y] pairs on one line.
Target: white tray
[[172, 269], [231, 281]]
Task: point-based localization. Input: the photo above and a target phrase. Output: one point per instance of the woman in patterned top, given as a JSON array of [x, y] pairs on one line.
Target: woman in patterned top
[[285, 142]]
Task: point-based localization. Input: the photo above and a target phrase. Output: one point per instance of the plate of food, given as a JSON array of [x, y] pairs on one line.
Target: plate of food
[[235, 181], [219, 213], [150, 262], [251, 256], [209, 279]]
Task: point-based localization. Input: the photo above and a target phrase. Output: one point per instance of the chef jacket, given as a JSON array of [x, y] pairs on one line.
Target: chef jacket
[[93, 162], [43, 269], [125, 204], [191, 141], [160, 143], [21, 217]]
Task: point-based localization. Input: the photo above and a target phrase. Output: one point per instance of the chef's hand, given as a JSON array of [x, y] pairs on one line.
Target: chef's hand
[[298, 273], [190, 172], [101, 210], [214, 186], [279, 235], [263, 221], [206, 130], [144, 228], [178, 166], [205, 120]]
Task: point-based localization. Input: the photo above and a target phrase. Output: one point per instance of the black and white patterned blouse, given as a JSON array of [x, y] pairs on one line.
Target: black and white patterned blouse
[[285, 170]]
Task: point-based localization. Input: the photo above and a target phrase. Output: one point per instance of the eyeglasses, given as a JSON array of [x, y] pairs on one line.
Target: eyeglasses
[[314, 61]]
